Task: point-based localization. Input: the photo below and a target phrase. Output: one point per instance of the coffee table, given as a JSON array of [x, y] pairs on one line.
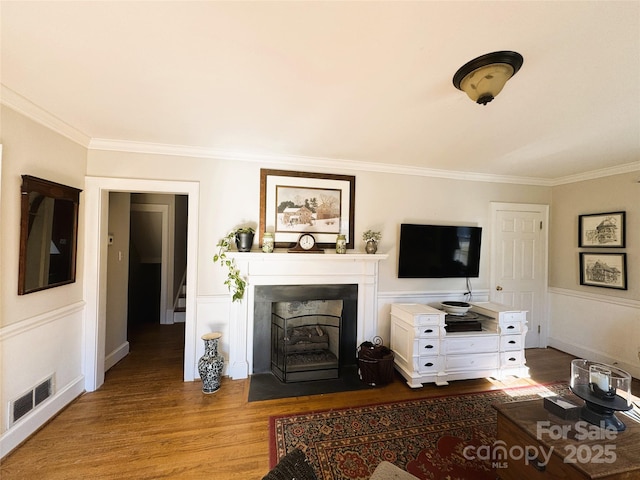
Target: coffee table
[[541, 445]]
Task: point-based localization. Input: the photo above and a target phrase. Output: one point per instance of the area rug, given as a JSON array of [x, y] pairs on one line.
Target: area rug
[[426, 437]]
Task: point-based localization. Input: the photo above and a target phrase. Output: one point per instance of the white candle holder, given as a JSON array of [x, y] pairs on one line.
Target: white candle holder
[[600, 382]]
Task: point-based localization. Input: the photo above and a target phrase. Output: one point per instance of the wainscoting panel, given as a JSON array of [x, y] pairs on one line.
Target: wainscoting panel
[[596, 327], [45, 346], [212, 315]]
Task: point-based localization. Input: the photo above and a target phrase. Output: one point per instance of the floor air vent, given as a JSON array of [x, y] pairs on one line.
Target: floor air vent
[[34, 397]]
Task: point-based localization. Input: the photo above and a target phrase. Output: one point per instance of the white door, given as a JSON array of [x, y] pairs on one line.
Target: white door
[[519, 263]]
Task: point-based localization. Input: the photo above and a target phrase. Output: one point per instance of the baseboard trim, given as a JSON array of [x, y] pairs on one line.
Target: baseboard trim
[[33, 421], [237, 370], [115, 356], [581, 352]]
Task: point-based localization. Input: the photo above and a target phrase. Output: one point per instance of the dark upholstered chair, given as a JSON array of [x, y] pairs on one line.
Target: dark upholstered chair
[[293, 466]]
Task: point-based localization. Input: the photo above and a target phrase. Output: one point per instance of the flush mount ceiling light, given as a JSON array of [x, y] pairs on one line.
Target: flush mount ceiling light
[[483, 78]]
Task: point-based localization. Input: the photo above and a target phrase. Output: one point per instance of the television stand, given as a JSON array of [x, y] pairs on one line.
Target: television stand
[[425, 352]]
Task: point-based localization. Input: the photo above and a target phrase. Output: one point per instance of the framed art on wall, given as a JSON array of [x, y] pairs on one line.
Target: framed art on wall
[[292, 203], [608, 270], [602, 230]]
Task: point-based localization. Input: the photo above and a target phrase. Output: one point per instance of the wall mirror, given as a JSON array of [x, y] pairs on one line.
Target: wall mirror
[[48, 234]]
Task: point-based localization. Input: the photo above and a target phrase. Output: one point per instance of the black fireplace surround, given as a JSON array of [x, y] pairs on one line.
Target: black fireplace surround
[[266, 295]]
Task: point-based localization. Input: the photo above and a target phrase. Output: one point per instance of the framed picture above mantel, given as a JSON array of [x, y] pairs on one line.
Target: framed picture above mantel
[[602, 230], [293, 202]]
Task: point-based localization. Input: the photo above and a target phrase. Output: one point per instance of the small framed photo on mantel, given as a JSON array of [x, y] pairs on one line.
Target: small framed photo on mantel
[[602, 230], [607, 270]]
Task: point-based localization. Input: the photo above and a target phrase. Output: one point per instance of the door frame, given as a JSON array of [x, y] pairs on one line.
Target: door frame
[[542, 209], [96, 216]]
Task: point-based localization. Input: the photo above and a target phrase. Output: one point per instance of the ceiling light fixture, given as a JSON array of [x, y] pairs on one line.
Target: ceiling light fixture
[[483, 78]]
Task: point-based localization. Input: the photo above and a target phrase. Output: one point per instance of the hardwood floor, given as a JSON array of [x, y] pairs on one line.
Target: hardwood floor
[[146, 423]]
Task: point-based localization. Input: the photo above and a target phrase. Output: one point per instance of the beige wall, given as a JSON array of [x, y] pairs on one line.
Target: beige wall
[[229, 196], [117, 275], [41, 333], [600, 324], [31, 149], [608, 194]]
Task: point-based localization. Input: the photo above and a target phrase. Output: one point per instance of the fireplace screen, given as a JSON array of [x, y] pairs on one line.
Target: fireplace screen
[[305, 340]]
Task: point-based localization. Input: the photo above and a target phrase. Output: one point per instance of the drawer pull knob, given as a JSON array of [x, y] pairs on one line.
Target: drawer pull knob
[[428, 331], [510, 327], [512, 342], [512, 359], [428, 364], [428, 346]]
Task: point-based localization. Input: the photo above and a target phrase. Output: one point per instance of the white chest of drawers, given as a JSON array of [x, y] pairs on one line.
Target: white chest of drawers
[[425, 352]]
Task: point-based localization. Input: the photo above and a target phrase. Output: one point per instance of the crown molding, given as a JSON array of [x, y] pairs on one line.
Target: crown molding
[[594, 174], [17, 102], [298, 160]]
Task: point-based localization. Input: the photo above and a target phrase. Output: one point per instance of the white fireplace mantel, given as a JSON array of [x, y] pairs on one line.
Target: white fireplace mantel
[[282, 268]]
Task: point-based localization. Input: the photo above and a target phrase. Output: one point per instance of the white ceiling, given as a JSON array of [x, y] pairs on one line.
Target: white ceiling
[[352, 81]]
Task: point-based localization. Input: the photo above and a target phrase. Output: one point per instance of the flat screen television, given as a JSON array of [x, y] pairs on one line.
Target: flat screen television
[[439, 251]]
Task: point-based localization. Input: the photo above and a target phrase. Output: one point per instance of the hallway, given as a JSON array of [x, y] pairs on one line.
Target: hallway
[[156, 352]]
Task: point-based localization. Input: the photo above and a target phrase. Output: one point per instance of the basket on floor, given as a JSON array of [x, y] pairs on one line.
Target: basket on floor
[[375, 363]]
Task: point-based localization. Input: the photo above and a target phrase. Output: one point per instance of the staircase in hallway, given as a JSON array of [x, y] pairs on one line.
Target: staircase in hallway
[[179, 310]]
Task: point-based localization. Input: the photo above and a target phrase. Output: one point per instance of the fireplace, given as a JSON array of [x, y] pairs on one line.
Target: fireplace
[[284, 277], [283, 315], [305, 340]]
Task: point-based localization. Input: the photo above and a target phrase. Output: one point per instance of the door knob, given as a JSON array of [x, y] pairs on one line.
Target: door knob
[[499, 288]]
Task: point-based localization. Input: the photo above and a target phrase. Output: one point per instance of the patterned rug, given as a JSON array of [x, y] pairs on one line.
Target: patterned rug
[[426, 437]]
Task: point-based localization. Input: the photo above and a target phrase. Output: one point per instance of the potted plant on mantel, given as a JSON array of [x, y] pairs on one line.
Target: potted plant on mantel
[[371, 238], [243, 238]]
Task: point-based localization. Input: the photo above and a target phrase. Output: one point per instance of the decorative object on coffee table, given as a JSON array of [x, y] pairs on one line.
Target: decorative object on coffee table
[[211, 364], [605, 389]]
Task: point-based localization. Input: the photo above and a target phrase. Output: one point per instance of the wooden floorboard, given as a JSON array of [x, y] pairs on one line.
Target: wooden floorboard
[[146, 423]]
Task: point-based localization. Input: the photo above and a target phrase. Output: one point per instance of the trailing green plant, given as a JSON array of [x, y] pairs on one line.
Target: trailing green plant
[[371, 236], [234, 282]]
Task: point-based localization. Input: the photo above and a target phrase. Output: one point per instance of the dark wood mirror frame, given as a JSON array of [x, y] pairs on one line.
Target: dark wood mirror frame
[[48, 234]]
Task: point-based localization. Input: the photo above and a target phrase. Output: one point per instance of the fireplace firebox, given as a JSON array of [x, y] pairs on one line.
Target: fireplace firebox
[[305, 340], [304, 332]]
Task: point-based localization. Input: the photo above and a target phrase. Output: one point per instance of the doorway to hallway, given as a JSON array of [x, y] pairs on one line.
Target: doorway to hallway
[[97, 231], [148, 238]]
